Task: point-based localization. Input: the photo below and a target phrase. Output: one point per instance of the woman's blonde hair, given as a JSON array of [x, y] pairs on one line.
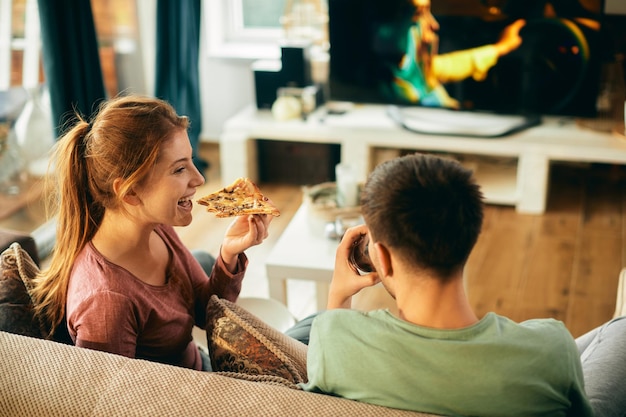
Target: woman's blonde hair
[[122, 141]]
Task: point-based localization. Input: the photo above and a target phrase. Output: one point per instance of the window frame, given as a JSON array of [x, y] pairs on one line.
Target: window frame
[[227, 37], [29, 44]]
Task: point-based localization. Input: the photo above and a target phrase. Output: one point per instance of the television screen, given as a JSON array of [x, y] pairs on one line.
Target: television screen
[[530, 57]]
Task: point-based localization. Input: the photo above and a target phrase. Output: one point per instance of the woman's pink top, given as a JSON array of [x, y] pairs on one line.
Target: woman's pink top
[[111, 310]]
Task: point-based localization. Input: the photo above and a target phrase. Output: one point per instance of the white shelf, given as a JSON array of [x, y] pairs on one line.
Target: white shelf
[[363, 129], [499, 183], [496, 176]]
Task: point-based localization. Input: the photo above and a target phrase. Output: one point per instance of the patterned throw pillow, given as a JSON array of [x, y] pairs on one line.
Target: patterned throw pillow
[[17, 270], [241, 343]]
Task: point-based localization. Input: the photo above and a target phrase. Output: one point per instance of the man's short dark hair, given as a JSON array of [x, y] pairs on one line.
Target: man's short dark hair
[[428, 208]]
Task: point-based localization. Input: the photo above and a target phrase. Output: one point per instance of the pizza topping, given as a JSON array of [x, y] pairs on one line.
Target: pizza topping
[[240, 198]]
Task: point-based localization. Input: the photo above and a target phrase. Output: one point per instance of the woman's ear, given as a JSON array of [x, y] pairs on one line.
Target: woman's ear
[[384, 259], [130, 197]]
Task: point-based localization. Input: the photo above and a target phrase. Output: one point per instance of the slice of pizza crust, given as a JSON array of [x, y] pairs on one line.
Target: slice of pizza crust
[[240, 198]]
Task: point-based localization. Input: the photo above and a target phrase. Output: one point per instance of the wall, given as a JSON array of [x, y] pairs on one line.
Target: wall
[[227, 86]]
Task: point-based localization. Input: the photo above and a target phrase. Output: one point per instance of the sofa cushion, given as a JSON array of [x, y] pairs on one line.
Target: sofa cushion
[[240, 342], [27, 242], [17, 270]]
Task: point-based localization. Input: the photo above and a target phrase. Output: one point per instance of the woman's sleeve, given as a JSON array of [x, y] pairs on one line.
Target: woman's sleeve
[[225, 284], [220, 282], [104, 321]]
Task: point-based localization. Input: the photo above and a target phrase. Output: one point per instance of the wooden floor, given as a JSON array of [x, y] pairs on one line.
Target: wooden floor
[[562, 264]]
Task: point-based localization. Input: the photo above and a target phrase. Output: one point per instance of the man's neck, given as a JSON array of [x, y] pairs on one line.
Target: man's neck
[[429, 302]]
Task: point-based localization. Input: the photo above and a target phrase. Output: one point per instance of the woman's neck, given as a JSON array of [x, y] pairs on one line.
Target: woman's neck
[[121, 234], [133, 246]]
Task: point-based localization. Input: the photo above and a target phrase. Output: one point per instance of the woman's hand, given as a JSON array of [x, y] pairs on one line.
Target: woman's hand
[[346, 280], [243, 233]]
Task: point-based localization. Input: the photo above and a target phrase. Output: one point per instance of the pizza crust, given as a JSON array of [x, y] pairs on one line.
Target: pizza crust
[[240, 198]]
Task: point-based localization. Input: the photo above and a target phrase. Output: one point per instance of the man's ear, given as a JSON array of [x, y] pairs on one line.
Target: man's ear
[[130, 197], [384, 258]]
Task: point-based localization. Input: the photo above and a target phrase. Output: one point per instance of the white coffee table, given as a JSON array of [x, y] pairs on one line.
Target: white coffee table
[[304, 253]]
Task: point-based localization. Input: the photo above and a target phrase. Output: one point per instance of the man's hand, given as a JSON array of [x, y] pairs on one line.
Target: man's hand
[[346, 280]]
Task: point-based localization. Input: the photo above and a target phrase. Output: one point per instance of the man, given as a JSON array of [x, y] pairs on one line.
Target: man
[[423, 215], [422, 71]]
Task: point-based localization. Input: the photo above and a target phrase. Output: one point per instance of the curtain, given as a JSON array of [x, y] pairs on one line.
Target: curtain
[[70, 59], [177, 75]]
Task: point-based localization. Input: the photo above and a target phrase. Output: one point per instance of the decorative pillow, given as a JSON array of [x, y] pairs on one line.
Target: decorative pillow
[[240, 342], [266, 379], [17, 270]]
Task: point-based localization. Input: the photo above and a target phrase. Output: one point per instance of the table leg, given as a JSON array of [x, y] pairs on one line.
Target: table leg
[[356, 154], [238, 157], [532, 172], [321, 295], [278, 289]]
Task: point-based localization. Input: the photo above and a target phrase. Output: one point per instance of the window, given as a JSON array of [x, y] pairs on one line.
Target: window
[[255, 28], [262, 14], [20, 60], [117, 30], [243, 28], [20, 44]]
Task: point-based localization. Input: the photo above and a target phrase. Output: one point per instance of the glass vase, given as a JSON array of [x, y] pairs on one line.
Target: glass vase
[[35, 133]]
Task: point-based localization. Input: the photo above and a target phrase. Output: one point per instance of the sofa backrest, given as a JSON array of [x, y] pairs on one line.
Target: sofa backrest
[[41, 377]]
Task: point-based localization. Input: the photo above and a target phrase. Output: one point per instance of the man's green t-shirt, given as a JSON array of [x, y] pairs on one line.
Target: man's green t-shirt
[[494, 368]]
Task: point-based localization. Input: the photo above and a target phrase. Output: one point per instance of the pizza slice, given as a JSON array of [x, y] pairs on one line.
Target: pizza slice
[[240, 198]]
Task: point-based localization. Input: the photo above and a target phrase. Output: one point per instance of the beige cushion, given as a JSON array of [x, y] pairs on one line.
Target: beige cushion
[[41, 377], [241, 343]]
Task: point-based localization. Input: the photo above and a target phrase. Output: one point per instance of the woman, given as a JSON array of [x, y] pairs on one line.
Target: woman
[[121, 277]]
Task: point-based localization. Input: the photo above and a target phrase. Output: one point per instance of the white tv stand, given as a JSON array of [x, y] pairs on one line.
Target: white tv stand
[[367, 136]]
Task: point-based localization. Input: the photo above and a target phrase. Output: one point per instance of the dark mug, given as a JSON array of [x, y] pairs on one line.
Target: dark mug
[[359, 256]]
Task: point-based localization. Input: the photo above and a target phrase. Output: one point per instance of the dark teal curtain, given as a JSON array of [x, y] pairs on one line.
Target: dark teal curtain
[[70, 59], [177, 75]]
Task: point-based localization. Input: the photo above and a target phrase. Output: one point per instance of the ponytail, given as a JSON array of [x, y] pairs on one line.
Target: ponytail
[[77, 221]]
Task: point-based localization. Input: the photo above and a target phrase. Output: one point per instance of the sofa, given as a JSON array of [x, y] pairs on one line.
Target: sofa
[[257, 368]]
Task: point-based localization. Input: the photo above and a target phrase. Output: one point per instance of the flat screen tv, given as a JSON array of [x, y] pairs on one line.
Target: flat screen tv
[[463, 55]]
